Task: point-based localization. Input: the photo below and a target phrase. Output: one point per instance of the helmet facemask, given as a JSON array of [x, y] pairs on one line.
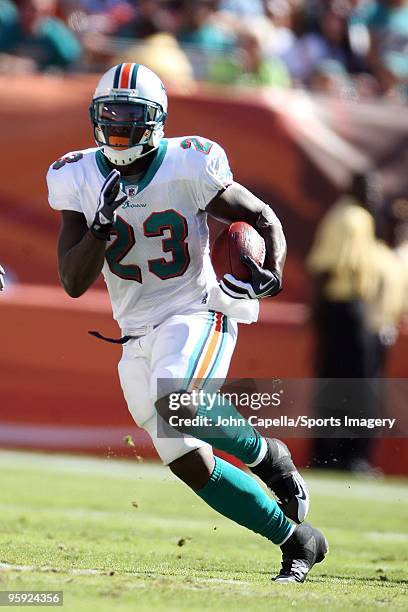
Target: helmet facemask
[[126, 129]]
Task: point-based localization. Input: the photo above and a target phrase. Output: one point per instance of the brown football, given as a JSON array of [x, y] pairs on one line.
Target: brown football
[[238, 239]]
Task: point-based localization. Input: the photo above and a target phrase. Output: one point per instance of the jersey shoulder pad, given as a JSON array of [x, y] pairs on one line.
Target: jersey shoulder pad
[[204, 164], [198, 155], [72, 157], [63, 180]]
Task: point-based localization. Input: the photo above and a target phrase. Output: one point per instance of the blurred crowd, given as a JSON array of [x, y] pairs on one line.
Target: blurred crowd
[[355, 48]]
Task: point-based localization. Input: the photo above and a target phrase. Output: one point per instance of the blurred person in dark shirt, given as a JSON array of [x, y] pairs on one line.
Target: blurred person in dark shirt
[[32, 38], [328, 41], [150, 17]]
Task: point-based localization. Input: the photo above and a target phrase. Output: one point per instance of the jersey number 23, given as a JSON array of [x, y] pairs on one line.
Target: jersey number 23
[[155, 225]]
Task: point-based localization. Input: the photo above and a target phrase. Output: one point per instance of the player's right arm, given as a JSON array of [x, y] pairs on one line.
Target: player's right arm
[[81, 249], [80, 254]]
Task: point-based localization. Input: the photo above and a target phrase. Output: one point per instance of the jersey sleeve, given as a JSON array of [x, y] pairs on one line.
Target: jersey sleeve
[[62, 189], [214, 174]]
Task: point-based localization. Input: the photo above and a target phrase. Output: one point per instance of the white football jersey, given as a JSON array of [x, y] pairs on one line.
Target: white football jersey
[[157, 262]]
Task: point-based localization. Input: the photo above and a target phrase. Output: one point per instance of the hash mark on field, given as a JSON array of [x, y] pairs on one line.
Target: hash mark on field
[[32, 568], [387, 535], [5, 567], [95, 515]]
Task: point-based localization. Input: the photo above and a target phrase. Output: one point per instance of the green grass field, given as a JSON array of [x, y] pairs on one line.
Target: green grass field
[[127, 536]]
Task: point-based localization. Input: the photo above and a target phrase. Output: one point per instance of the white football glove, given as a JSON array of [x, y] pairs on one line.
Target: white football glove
[[2, 273]]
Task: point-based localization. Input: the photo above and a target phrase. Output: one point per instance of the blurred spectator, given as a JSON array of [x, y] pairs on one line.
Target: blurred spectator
[[386, 308], [361, 297], [341, 263], [344, 269], [98, 17], [242, 8], [330, 41], [401, 250], [109, 34], [204, 35], [161, 53], [32, 38], [198, 29], [153, 47], [98, 6], [281, 15], [248, 65], [387, 25], [331, 77], [150, 17]]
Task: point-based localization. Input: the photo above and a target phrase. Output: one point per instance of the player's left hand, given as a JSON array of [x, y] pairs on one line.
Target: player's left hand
[[264, 283], [110, 198], [2, 273]]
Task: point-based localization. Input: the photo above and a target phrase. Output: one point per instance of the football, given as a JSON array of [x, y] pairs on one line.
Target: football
[[238, 239]]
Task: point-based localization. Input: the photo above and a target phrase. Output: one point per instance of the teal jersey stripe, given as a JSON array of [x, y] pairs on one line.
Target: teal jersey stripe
[[102, 163], [196, 354], [154, 166]]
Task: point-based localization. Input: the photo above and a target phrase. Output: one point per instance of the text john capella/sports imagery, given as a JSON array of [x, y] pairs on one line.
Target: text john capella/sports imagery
[[301, 421], [256, 401]]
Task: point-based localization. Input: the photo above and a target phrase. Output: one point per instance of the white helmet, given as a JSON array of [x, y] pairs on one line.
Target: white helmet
[[128, 111]]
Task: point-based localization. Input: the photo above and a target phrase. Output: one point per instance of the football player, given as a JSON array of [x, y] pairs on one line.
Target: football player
[[135, 207]]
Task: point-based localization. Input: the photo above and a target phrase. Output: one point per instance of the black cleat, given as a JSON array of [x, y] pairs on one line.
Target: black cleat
[[305, 547], [279, 473]]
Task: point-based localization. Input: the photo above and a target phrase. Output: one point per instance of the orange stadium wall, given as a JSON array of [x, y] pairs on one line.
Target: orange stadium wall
[[59, 388]]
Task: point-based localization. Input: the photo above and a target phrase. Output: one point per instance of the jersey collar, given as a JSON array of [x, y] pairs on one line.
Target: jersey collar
[[105, 169]]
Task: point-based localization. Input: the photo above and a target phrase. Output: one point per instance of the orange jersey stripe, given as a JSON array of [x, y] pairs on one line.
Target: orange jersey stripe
[[124, 77]]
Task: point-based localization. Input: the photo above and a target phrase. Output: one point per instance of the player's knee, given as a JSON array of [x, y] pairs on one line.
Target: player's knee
[[167, 407], [194, 468]]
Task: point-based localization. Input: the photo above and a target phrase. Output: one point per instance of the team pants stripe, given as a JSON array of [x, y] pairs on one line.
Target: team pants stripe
[[196, 355], [209, 350], [221, 348]]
